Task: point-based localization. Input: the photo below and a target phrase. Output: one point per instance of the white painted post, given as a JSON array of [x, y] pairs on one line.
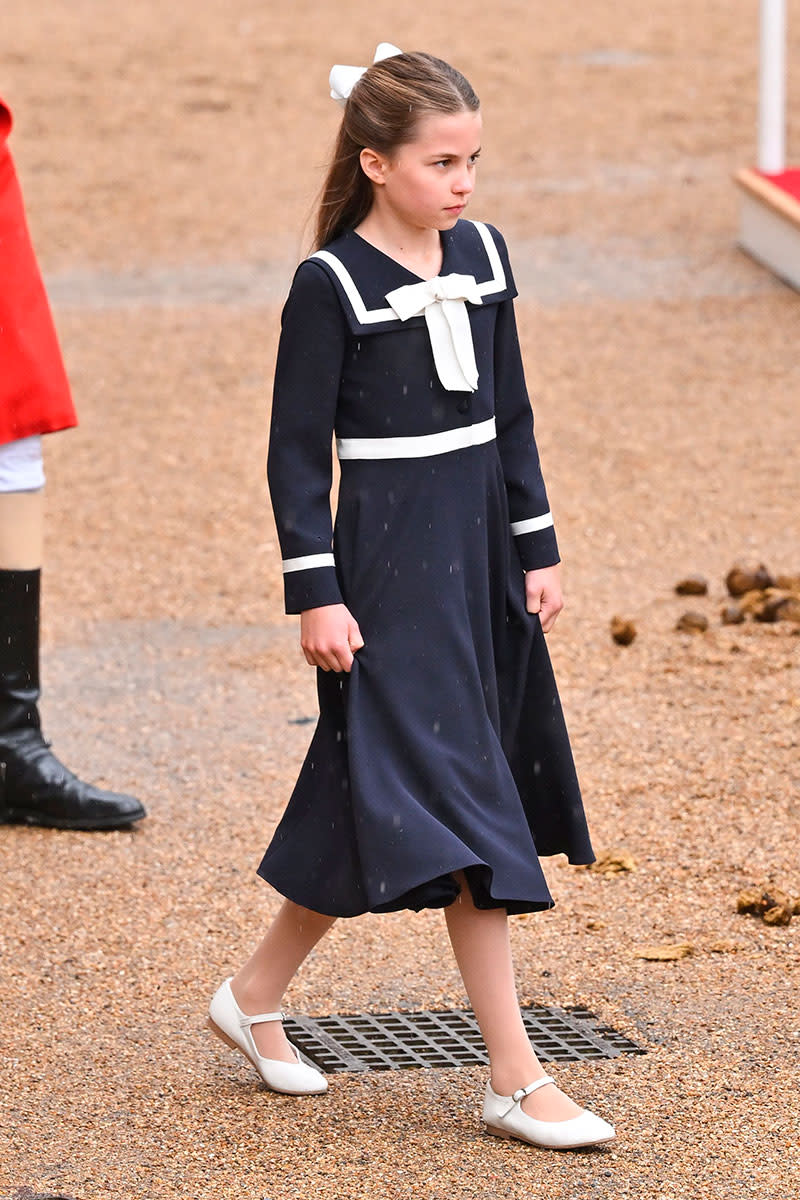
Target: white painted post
[[772, 88]]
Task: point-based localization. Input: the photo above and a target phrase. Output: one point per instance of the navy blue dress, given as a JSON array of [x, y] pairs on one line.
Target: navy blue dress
[[445, 748]]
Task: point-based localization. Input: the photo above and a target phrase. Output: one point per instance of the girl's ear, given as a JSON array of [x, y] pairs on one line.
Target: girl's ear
[[373, 165]]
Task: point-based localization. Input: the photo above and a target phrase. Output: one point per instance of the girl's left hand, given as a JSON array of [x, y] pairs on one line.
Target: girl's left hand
[[543, 594]]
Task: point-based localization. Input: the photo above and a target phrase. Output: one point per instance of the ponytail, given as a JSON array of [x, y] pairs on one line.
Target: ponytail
[[347, 192]]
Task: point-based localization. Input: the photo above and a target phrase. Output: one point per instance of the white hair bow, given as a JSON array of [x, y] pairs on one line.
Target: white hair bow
[[441, 302], [344, 79]]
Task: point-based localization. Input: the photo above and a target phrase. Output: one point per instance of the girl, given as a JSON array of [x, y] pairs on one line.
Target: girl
[[440, 767]]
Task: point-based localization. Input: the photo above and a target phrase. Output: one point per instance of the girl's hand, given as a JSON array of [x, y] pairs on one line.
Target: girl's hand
[[329, 636], [543, 594]]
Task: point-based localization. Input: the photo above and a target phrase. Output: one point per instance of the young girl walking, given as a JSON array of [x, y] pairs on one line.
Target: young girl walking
[[440, 768]]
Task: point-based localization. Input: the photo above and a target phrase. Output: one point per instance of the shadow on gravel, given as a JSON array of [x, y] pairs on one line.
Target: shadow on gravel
[[26, 1193]]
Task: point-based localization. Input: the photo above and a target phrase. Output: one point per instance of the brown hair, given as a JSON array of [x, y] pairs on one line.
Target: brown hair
[[382, 113]]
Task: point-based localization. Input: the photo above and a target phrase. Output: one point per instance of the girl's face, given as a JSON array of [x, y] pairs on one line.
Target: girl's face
[[427, 183]]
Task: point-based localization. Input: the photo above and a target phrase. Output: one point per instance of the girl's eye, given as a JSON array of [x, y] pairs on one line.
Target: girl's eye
[[446, 162]]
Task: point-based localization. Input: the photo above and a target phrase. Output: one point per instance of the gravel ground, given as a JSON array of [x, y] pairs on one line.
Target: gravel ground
[[168, 160]]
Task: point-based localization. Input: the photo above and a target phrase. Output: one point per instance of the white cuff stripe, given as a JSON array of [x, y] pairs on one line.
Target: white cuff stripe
[[307, 562], [532, 525], [423, 446]]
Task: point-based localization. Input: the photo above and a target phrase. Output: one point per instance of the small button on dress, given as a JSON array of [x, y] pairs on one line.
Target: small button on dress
[[445, 748]]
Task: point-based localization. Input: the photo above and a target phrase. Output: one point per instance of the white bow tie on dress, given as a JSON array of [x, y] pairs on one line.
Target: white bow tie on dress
[[343, 79], [441, 300]]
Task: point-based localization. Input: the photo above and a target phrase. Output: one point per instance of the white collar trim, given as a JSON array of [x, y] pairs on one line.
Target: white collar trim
[[372, 316]]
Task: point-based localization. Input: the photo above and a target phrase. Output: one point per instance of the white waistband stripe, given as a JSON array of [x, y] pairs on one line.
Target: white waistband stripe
[[532, 525], [307, 562], [424, 446]]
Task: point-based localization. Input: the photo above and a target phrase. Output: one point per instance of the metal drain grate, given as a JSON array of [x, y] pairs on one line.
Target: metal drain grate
[[398, 1041]]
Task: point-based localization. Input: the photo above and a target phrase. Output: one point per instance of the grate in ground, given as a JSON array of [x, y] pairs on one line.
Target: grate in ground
[[399, 1041]]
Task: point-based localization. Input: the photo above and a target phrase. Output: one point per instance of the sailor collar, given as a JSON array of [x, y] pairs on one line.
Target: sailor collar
[[364, 276], [378, 294]]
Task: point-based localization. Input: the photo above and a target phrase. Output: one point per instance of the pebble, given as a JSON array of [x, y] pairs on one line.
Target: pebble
[[732, 614], [741, 579], [692, 585], [666, 953], [692, 622], [622, 631], [770, 903], [751, 602], [613, 862], [789, 609], [779, 914]]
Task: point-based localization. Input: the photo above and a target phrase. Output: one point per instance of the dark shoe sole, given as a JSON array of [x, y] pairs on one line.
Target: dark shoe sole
[[42, 820]]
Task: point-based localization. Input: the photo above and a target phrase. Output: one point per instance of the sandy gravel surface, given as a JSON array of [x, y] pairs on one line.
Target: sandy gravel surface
[[169, 154]]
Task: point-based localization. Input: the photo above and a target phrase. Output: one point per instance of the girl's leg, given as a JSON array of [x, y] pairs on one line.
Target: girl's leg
[[21, 530], [259, 985], [482, 947]]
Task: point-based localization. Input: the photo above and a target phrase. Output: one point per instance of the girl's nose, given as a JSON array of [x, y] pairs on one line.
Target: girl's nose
[[464, 184]]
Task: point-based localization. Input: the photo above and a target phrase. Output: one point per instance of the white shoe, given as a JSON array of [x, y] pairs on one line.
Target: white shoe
[[505, 1118], [228, 1022]]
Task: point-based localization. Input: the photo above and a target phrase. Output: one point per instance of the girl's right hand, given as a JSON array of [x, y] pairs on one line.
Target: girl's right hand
[[329, 637]]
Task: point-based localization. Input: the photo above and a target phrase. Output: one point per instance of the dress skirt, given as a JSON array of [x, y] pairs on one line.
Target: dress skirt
[[445, 748]]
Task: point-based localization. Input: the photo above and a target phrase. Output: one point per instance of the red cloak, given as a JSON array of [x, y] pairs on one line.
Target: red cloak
[[34, 391]]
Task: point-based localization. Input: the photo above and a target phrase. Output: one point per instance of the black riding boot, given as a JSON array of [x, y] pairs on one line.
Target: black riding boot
[[35, 787]]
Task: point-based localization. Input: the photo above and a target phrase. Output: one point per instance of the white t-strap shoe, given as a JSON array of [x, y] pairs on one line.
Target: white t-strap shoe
[[228, 1022], [505, 1118]]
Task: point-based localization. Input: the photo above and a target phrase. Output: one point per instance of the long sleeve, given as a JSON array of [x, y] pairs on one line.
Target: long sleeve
[[299, 465], [531, 522]]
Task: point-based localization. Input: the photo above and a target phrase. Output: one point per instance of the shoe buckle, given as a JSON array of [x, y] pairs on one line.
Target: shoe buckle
[[521, 1093]]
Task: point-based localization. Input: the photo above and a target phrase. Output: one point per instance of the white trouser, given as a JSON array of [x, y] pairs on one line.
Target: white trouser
[[21, 466]]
